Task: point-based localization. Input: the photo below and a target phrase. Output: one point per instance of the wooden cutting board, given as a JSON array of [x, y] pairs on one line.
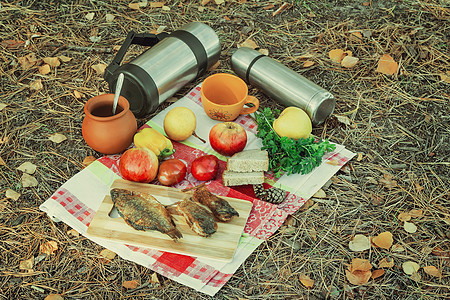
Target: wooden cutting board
[[220, 246]]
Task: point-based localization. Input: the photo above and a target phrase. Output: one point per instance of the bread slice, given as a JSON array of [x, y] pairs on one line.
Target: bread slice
[[249, 161], [231, 178]]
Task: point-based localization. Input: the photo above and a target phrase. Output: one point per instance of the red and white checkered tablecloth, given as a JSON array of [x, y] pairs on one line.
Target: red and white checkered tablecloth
[[77, 208]]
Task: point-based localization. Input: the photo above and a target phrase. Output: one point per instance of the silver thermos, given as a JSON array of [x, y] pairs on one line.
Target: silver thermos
[[173, 61], [283, 84]]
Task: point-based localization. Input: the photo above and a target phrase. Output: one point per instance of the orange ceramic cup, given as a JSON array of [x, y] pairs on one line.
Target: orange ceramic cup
[[224, 96]]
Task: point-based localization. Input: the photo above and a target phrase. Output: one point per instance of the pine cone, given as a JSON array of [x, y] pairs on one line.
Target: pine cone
[[260, 191], [275, 195], [272, 195]]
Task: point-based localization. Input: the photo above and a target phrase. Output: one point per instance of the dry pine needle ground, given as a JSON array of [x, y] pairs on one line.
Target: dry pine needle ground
[[398, 124]]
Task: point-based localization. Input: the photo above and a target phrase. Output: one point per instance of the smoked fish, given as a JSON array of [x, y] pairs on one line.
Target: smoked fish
[[143, 212], [199, 219], [220, 208]]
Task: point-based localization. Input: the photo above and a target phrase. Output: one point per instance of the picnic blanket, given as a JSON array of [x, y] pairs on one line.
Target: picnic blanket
[[77, 200]]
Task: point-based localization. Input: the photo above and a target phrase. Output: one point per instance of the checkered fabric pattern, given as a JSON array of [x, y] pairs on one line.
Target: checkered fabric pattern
[[203, 275]]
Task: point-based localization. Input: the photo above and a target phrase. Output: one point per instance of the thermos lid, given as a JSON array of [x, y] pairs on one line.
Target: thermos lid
[[138, 88]]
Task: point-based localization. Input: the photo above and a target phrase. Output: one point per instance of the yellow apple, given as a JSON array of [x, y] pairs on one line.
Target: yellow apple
[[293, 122]]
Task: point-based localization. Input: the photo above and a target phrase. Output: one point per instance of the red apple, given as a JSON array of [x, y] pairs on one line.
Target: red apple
[[205, 167], [139, 164], [228, 138]]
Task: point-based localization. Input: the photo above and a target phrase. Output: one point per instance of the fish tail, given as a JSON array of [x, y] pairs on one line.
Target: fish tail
[[175, 234]]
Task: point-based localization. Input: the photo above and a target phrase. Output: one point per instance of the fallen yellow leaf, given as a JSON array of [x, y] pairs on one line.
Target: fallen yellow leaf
[[397, 248], [432, 271], [90, 16], [386, 263], [336, 55], [154, 280], [99, 68], [419, 187], [349, 62], [410, 267], [445, 77], [27, 61], [358, 277], [49, 247], [157, 4], [64, 58], [404, 216], [54, 297], [107, 254], [359, 264], [12, 44], [383, 240], [57, 138], [77, 94], [73, 232], [27, 167], [410, 227], [28, 180], [130, 284], [27, 264], [416, 276], [249, 43], [308, 63], [360, 156], [11, 194], [45, 69], [388, 181], [88, 160], [264, 51], [52, 61], [356, 36], [306, 281], [387, 65], [134, 6], [320, 194], [416, 213], [36, 85], [359, 243], [377, 273]]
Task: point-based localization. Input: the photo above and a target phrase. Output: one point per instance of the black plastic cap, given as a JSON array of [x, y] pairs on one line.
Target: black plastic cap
[[138, 88]]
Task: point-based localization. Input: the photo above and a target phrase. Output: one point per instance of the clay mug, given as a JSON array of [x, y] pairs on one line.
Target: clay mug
[[105, 132], [224, 96]]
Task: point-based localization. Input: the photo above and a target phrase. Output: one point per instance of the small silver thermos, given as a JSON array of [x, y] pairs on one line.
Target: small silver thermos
[[173, 61], [283, 84]]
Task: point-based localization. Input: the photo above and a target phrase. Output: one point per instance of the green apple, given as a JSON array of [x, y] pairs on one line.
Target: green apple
[[293, 122]]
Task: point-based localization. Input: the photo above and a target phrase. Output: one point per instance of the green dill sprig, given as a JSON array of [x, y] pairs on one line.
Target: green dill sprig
[[286, 155]]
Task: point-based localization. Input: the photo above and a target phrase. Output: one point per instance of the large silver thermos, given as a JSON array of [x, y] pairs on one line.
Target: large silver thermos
[[283, 84], [173, 61]]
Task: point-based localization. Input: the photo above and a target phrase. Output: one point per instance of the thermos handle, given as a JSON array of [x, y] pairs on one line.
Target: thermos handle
[[142, 39]]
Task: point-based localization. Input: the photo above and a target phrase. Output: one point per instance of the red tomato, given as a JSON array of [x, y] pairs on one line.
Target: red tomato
[[171, 172], [205, 167]]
